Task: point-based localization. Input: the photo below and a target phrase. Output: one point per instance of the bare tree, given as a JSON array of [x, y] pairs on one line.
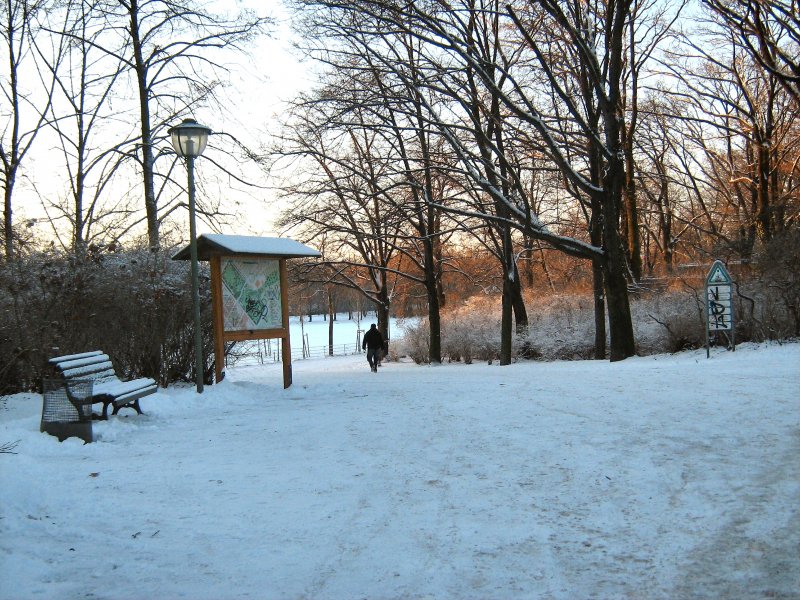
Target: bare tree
[[487, 125], [80, 116], [336, 201], [26, 106], [442, 33], [651, 23], [422, 159], [594, 145], [381, 89], [770, 31], [168, 48], [744, 123], [656, 184]]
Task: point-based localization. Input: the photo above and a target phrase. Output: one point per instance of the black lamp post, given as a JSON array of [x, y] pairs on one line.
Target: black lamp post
[[189, 140]]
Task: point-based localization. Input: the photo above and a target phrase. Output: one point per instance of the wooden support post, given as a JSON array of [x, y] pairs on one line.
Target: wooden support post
[[217, 316], [285, 342]]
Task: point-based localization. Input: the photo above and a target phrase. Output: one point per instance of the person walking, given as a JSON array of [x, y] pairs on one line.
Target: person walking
[[373, 344]]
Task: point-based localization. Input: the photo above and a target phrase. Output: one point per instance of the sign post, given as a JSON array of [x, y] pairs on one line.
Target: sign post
[[719, 304]]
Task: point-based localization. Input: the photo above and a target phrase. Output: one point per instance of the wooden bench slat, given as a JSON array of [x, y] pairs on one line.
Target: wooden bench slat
[[135, 395], [80, 362], [68, 357], [120, 388], [100, 371]]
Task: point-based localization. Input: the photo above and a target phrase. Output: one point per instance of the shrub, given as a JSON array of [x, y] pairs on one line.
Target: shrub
[[415, 342], [779, 276], [561, 327], [471, 332], [135, 306], [669, 321]]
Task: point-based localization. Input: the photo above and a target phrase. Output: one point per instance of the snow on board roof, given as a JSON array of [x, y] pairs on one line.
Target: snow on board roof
[[212, 244]]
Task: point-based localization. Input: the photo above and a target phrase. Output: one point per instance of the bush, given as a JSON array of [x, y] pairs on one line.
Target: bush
[[415, 342], [561, 327], [776, 265], [669, 321], [471, 332], [135, 306]]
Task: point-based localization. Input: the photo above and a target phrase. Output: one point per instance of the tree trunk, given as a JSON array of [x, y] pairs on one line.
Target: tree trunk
[[615, 263], [8, 222], [382, 311], [11, 156], [763, 203], [622, 344], [437, 253], [633, 243], [506, 321], [434, 317], [619, 311], [509, 276], [515, 294], [630, 208], [147, 158], [598, 281], [521, 323], [599, 310], [528, 263]]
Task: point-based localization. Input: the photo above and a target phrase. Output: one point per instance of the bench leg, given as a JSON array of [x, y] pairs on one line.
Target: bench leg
[[134, 405]]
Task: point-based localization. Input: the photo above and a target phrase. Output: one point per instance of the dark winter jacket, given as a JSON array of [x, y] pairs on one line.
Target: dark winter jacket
[[372, 339]]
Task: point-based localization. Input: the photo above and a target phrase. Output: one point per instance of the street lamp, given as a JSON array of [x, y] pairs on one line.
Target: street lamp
[[189, 140]]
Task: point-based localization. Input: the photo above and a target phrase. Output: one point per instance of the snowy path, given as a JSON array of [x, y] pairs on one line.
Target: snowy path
[[655, 478]]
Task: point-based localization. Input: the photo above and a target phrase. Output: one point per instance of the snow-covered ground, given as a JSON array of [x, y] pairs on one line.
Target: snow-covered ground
[[666, 477]]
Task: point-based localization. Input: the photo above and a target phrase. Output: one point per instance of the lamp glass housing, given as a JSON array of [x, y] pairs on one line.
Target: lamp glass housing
[[189, 139]]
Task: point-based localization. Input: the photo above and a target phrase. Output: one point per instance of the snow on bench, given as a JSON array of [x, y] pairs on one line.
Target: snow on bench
[[107, 387]]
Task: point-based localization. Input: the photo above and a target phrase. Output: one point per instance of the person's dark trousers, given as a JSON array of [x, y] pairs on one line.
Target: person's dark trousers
[[372, 358]]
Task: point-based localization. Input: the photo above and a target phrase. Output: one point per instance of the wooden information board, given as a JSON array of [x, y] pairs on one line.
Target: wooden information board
[[249, 290]]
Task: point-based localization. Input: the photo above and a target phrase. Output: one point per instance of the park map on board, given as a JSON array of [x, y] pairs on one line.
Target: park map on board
[[251, 294]]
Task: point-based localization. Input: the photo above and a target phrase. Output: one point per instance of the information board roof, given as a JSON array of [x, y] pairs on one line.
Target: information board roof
[[216, 244]]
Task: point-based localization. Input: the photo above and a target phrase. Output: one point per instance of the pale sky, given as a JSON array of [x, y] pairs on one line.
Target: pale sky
[[261, 85]]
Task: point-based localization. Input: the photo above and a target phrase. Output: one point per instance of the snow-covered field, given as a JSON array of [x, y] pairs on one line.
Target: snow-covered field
[[667, 477], [347, 335]]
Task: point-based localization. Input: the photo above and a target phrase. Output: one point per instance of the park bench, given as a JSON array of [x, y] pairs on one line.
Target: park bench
[[107, 387]]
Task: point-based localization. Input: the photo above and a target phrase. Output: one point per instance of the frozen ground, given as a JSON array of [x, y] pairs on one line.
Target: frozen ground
[[667, 477]]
